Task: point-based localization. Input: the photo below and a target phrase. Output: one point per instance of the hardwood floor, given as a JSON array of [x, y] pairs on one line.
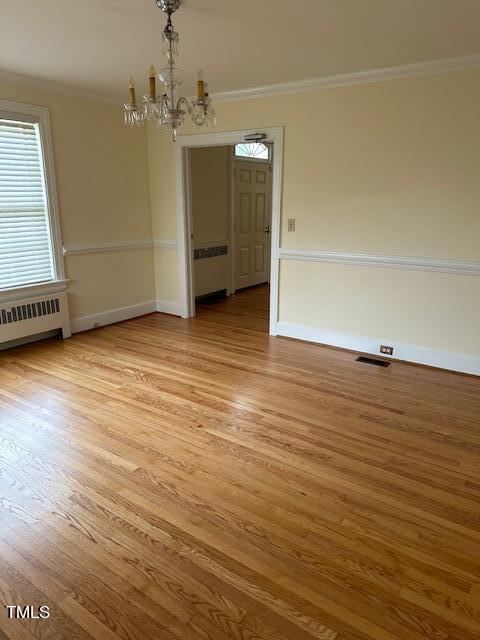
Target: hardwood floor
[[199, 480]]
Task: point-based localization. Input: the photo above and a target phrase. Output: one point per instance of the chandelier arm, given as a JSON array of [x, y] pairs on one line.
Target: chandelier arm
[[184, 103], [164, 105], [199, 120]]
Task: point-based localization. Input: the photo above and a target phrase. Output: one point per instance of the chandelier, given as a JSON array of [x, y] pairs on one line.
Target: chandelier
[[168, 109]]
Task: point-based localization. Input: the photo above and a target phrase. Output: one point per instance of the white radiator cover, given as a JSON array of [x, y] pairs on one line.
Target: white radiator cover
[[29, 316], [211, 275], [211, 267]]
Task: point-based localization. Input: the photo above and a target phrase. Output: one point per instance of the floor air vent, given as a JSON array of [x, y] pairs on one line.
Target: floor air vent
[[378, 363]]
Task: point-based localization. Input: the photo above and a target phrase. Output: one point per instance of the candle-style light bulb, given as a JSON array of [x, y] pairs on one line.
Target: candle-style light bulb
[[205, 98], [152, 77], [131, 89], [200, 85]]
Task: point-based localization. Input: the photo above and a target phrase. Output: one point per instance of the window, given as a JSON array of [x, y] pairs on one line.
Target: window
[[28, 231], [254, 150]]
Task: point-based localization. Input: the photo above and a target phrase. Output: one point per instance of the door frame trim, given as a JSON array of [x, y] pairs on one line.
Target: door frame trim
[[231, 223], [184, 211]]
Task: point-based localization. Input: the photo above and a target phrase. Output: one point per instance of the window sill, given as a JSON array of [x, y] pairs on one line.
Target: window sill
[[30, 290]]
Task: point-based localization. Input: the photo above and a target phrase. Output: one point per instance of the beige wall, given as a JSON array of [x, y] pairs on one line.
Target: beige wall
[[210, 179], [386, 168], [382, 303], [102, 179], [162, 181], [167, 286]]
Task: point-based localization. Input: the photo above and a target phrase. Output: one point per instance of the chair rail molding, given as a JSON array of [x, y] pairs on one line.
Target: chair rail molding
[[105, 247], [158, 243], [461, 267]]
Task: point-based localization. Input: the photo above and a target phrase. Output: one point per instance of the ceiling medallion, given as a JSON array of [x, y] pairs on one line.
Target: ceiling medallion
[[168, 109]]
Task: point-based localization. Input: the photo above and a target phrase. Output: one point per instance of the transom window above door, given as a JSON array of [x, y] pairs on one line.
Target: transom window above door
[[253, 150]]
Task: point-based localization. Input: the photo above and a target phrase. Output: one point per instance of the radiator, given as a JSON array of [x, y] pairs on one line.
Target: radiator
[[211, 264], [28, 317]]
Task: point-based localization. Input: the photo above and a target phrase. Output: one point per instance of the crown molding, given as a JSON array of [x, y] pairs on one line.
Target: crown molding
[[49, 86], [462, 267], [347, 79], [457, 63]]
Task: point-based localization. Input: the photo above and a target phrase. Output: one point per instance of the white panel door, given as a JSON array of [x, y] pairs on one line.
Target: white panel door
[[252, 222]]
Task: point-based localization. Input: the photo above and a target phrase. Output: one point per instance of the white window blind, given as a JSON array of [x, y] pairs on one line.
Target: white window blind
[[25, 242]]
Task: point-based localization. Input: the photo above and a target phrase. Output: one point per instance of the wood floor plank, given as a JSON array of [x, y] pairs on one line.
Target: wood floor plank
[[183, 479]]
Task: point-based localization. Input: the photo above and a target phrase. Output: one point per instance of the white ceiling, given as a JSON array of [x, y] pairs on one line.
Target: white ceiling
[[95, 45]]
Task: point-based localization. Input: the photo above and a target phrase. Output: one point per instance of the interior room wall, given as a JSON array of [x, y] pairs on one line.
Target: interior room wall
[[104, 204], [163, 182], [211, 192], [383, 169]]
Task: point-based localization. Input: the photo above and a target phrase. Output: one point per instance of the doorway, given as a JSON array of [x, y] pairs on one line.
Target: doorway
[[230, 206], [250, 254]]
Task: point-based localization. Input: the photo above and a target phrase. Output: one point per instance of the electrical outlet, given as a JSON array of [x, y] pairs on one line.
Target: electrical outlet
[[291, 224], [386, 350]]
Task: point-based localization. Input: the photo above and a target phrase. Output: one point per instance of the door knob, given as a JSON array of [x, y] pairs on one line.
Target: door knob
[[267, 229]]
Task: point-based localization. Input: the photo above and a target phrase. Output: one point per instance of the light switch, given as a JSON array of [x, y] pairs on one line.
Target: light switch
[[291, 224]]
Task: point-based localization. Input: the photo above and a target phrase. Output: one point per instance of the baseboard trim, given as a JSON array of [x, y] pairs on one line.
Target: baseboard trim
[[166, 306], [460, 362], [113, 315]]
